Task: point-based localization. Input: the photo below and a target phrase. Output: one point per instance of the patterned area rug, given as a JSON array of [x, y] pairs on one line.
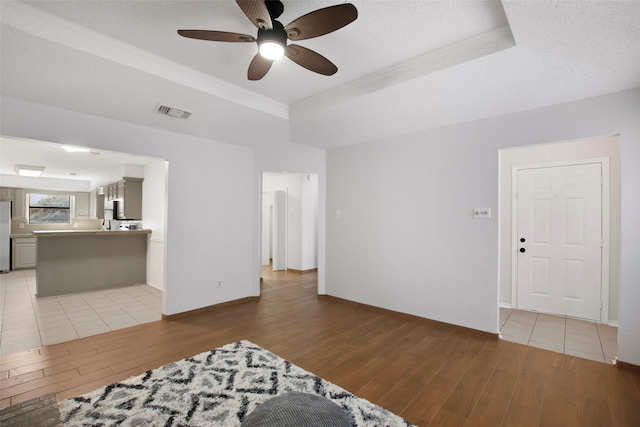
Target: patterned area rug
[[215, 388]]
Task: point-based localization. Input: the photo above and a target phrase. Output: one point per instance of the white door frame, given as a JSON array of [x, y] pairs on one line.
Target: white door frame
[[606, 222]]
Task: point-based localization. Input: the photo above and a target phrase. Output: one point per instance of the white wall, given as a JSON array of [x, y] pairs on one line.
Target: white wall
[[211, 216], [154, 213], [15, 181], [309, 222], [605, 147], [267, 243], [406, 239]]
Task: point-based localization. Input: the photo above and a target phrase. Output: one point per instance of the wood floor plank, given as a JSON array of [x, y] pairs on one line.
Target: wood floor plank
[[463, 398], [558, 413], [429, 401], [519, 415], [445, 418], [429, 373], [498, 392], [529, 391], [483, 416], [593, 412]]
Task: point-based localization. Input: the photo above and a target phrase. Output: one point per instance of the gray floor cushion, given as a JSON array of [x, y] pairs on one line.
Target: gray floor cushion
[[295, 409]]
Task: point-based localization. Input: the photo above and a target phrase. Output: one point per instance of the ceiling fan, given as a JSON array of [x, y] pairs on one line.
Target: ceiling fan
[[272, 35]]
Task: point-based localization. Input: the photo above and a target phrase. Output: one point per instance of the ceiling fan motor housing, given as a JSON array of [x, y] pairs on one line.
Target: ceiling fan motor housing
[[277, 34]]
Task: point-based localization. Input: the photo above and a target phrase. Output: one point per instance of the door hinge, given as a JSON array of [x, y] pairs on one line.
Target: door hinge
[[601, 243], [601, 180]]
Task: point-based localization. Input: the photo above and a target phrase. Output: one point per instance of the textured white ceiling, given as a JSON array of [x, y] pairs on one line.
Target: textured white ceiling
[[385, 33], [403, 66]]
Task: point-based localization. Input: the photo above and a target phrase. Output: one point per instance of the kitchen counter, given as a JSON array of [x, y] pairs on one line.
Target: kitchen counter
[[21, 235], [45, 233], [71, 261]]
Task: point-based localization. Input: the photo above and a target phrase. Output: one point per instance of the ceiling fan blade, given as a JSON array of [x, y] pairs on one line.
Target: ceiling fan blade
[[257, 13], [258, 67], [216, 36], [321, 22], [310, 60]]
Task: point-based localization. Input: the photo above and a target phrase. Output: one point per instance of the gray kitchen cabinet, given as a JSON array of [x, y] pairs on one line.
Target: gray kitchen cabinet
[[23, 252], [19, 204], [5, 194], [82, 205], [129, 196], [111, 192], [99, 207]]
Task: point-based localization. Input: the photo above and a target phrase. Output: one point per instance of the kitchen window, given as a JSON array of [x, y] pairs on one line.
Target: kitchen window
[[49, 208]]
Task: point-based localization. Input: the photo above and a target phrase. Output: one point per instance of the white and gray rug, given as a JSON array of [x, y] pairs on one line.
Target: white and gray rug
[[215, 388]]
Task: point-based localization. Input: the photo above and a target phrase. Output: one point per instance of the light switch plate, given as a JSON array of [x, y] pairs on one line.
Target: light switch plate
[[482, 213]]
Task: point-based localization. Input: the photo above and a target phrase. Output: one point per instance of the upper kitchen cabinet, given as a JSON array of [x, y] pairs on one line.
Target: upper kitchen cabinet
[[96, 205], [5, 194], [129, 196], [19, 203], [82, 205]]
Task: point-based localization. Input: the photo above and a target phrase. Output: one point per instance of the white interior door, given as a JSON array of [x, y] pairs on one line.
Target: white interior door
[[560, 240]]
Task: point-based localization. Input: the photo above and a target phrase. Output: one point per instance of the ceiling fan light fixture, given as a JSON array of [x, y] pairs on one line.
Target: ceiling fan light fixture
[[271, 50], [271, 43]]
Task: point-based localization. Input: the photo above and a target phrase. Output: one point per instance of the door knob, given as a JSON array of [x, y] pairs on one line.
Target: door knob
[[522, 239], [523, 250]]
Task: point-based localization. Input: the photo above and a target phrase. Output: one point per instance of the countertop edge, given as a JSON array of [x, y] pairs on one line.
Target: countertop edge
[[72, 233]]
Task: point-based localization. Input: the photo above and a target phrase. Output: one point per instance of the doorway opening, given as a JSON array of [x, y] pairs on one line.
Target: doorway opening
[[289, 222], [536, 321]]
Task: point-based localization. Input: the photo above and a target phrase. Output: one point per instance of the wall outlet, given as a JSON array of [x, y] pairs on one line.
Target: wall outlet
[[75, 225], [219, 283], [22, 225], [482, 213]]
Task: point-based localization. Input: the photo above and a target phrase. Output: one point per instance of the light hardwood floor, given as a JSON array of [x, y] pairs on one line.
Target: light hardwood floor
[[427, 373]]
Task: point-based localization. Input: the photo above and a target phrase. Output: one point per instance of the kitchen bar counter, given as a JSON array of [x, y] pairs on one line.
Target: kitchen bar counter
[[42, 233], [71, 261]]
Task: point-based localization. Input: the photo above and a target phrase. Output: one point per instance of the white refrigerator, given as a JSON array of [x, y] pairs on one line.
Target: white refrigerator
[[5, 232]]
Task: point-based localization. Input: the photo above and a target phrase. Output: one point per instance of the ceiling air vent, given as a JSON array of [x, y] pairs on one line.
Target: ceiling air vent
[[172, 112]]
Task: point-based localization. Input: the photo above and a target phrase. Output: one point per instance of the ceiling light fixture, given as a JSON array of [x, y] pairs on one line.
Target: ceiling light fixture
[[271, 43], [74, 149], [33, 171], [69, 149], [271, 50]]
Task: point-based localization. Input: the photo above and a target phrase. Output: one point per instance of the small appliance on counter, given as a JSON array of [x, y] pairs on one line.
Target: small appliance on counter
[[126, 225]]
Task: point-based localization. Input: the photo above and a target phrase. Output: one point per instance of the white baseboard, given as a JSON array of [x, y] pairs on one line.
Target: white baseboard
[[504, 305], [614, 323]]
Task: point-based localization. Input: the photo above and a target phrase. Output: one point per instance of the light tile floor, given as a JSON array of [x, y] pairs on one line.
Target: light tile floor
[[579, 338], [28, 322]]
